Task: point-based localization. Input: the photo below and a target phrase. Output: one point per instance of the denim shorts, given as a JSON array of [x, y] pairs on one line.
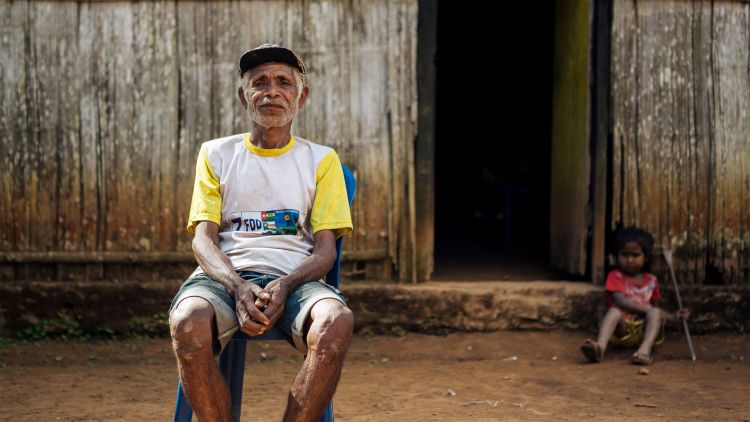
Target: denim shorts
[[292, 322]]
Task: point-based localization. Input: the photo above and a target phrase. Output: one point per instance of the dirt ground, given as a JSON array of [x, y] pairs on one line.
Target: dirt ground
[[527, 376]]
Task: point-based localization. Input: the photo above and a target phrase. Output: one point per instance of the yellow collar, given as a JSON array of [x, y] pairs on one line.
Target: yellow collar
[[264, 152]]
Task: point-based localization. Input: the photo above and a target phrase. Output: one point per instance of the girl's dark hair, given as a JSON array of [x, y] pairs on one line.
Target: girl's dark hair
[[640, 236]]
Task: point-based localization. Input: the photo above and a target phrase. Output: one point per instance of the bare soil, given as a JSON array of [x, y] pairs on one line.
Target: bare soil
[[527, 376]]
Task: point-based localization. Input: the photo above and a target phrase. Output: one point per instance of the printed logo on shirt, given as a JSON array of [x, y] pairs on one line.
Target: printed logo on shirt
[[266, 223], [640, 294]]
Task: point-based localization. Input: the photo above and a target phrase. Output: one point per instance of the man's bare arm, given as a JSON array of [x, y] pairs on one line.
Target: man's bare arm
[[314, 267], [317, 265], [217, 265]]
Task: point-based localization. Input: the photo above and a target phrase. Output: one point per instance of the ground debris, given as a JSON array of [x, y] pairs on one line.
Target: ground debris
[[530, 409], [494, 403], [491, 403]]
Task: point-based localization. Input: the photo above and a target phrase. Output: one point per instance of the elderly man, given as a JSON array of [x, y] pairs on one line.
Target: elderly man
[[266, 211]]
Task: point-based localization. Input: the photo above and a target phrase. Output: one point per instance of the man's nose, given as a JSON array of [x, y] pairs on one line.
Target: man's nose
[[273, 90]]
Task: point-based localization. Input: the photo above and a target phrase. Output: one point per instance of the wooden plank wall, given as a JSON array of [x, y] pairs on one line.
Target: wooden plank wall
[[104, 106], [681, 128]]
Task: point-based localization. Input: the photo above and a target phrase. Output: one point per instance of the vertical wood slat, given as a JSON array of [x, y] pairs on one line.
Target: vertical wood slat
[[425, 148], [600, 121], [402, 117], [570, 173], [681, 130], [12, 119], [731, 55], [106, 149]]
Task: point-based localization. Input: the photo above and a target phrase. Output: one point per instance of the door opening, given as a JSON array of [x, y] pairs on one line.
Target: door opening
[[493, 140]]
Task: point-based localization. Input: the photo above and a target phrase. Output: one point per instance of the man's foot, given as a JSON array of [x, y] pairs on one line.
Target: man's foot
[[639, 358], [592, 351]]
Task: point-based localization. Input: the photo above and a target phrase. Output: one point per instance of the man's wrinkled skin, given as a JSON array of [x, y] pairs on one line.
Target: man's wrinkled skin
[[271, 94]]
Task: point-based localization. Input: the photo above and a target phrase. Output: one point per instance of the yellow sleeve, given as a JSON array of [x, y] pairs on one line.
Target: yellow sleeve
[[206, 203], [330, 209]]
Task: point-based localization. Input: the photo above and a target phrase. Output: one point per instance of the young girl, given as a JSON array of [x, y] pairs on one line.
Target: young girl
[[632, 293]]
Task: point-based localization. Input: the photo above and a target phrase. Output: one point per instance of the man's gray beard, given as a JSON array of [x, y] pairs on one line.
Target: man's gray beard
[[269, 121]]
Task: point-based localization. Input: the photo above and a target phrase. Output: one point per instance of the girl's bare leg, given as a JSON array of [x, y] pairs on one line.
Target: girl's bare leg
[[654, 321], [610, 323]]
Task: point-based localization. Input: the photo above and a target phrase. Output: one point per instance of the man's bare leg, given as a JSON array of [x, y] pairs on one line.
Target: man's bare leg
[[327, 342], [654, 321], [610, 322], [193, 328]]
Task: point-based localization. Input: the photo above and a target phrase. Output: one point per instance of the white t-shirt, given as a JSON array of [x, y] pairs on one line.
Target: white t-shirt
[[268, 203]]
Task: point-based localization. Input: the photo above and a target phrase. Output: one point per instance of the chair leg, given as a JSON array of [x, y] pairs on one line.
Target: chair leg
[[232, 365], [328, 414], [182, 410]]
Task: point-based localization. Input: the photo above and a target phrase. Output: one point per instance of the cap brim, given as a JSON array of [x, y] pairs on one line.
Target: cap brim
[[256, 57]]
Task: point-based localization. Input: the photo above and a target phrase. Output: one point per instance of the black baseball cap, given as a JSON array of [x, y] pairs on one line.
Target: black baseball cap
[[266, 53]]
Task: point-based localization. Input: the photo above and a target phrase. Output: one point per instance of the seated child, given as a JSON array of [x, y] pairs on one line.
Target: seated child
[[632, 293]]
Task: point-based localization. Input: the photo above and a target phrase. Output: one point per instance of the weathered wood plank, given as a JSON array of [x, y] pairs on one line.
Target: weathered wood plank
[[403, 126], [624, 92], [62, 22], [14, 131], [425, 148], [698, 185], [155, 89], [570, 212], [600, 116], [731, 38]]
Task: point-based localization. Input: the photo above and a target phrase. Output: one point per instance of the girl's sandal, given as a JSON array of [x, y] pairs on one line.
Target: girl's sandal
[[592, 351], [641, 359]]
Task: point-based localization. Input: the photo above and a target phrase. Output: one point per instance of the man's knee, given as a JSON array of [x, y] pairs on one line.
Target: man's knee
[[190, 326], [332, 328]]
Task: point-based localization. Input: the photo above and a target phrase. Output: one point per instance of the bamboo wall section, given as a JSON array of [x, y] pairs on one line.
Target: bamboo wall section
[[681, 100], [104, 106]]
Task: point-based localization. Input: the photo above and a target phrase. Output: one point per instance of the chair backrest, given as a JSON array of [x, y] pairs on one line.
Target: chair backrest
[[332, 278]]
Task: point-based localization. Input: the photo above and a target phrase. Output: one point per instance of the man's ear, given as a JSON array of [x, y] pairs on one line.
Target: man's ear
[[303, 97], [241, 94]]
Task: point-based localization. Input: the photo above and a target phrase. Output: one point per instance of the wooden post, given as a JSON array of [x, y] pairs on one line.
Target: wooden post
[[425, 145], [600, 121], [570, 185]]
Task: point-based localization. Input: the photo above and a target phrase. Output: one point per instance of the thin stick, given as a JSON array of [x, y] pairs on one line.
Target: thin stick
[[668, 257]]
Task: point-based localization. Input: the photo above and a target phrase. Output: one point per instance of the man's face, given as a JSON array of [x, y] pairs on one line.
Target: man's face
[[271, 94]]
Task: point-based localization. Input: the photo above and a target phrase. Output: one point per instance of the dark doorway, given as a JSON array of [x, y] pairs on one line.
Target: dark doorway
[[492, 139]]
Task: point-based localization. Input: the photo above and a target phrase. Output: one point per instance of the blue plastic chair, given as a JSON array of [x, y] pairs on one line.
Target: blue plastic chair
[[232, 361]]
